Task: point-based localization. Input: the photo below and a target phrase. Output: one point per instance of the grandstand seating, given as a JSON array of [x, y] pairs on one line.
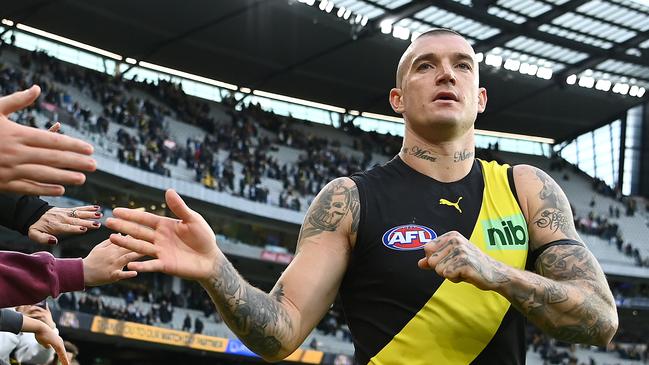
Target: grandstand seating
[[578, 188]]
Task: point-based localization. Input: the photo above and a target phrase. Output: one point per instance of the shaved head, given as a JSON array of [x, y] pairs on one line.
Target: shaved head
[[407, 54]]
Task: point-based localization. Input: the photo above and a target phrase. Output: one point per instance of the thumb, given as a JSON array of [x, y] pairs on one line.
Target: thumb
[[41, 237], [19, 100], [178, 206], [55, 128]]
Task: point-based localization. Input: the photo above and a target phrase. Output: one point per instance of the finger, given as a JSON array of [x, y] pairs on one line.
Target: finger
[[136, 216], [59, 348], [55, 128], [54, 158], [147, 266], [59, 228], [48, 175], [54, 141], [29, 187], [121, 275], [423, 264], [19, 100], [86, 208], [129, 257], [178, 206], [42, 237], [88, 224], [135, 245], [131, 229]]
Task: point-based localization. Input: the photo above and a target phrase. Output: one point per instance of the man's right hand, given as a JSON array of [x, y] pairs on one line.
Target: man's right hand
[[34, 161], [184, 247]]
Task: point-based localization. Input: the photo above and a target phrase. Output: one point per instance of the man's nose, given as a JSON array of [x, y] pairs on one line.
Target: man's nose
[[446, 74]]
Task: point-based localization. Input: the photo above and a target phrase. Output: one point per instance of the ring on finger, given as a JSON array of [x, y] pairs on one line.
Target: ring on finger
[[73, 213]]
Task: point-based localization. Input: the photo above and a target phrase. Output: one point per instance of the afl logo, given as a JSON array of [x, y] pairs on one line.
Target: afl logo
[[408, 237]]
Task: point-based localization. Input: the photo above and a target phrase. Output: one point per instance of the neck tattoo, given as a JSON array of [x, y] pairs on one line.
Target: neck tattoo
[[462, 155], [420, 153]]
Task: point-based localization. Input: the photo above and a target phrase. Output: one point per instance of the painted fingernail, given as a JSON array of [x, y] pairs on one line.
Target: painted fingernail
[[51, 241], [97, 207], [97, 214], [96, 224]]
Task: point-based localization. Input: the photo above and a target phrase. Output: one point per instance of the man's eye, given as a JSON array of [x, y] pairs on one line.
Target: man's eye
[[464, 66], [424, 66]]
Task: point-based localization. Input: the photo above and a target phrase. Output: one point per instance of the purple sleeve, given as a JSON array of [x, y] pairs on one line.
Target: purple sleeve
[[28, 279]]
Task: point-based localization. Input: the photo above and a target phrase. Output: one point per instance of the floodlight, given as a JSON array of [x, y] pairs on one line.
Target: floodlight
[[586, 81], [493, 60], [401, 32], [634, 90], [641, 92], [604, 85], [386, 26], [323, 4], [571, 79]]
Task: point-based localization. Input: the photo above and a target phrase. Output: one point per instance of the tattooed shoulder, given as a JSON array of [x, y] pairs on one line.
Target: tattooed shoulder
[[327, 212], [549, 209]]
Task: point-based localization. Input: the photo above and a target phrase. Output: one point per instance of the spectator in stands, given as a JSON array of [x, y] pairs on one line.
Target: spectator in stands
[[198, 326], [23, 347], [187, 324], [437, 92], [14, 322]]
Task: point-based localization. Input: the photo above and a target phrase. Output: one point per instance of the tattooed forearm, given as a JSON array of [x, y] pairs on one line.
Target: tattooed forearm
[[419, 152], [571, 300], [257, 318], [338, 199]]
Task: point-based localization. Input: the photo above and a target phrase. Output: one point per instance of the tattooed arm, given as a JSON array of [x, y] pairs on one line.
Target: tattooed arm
[[568, 297], [271, 324], [274, 325]]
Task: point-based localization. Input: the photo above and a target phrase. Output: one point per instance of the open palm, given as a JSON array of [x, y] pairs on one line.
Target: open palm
[[184, 247]]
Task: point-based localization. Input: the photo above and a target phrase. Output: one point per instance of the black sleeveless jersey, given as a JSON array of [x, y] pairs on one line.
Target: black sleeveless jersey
[[400, 314]]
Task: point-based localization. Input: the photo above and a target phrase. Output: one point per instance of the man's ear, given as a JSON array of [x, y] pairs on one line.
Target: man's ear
[[482, 99], [396, 101]]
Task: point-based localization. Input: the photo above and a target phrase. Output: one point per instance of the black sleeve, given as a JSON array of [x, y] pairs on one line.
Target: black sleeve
[[534, 255], [20, 212], [10, 321]]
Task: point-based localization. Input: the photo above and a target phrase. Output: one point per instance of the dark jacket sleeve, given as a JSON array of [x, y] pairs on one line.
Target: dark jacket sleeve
[[20, 212], [10, 321], [28, 279]]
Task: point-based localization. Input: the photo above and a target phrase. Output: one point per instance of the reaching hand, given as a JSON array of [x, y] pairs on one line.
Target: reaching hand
[[34, 161], [58, 221], [46, 336], [105, 263], [185, 247], [455, 258], [42, 314]]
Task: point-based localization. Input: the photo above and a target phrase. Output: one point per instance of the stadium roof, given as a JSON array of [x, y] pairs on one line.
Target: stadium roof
[[344, 52]]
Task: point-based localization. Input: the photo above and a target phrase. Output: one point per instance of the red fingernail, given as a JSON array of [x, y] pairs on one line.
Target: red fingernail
[[96, 224], [51, 241], [98, 214]]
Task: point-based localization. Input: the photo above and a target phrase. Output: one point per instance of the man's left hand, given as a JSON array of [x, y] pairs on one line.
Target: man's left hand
[[58, 221], [455, 258]]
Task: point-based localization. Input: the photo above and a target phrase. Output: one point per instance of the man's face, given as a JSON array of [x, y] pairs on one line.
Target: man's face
[[439, 85]]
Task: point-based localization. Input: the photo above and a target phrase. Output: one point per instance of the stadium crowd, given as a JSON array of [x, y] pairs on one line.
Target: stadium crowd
[[239, 138]]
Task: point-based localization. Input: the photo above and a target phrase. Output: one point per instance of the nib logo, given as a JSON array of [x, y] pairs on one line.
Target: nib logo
[[507, 233]]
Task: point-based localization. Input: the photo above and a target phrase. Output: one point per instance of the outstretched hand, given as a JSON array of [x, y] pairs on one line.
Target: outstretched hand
[[46, 337], [34, 161], [105, 264], [184, 247], [58, 221]]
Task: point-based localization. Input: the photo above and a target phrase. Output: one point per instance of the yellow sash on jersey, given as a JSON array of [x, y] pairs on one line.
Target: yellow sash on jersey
[[459, 320]]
